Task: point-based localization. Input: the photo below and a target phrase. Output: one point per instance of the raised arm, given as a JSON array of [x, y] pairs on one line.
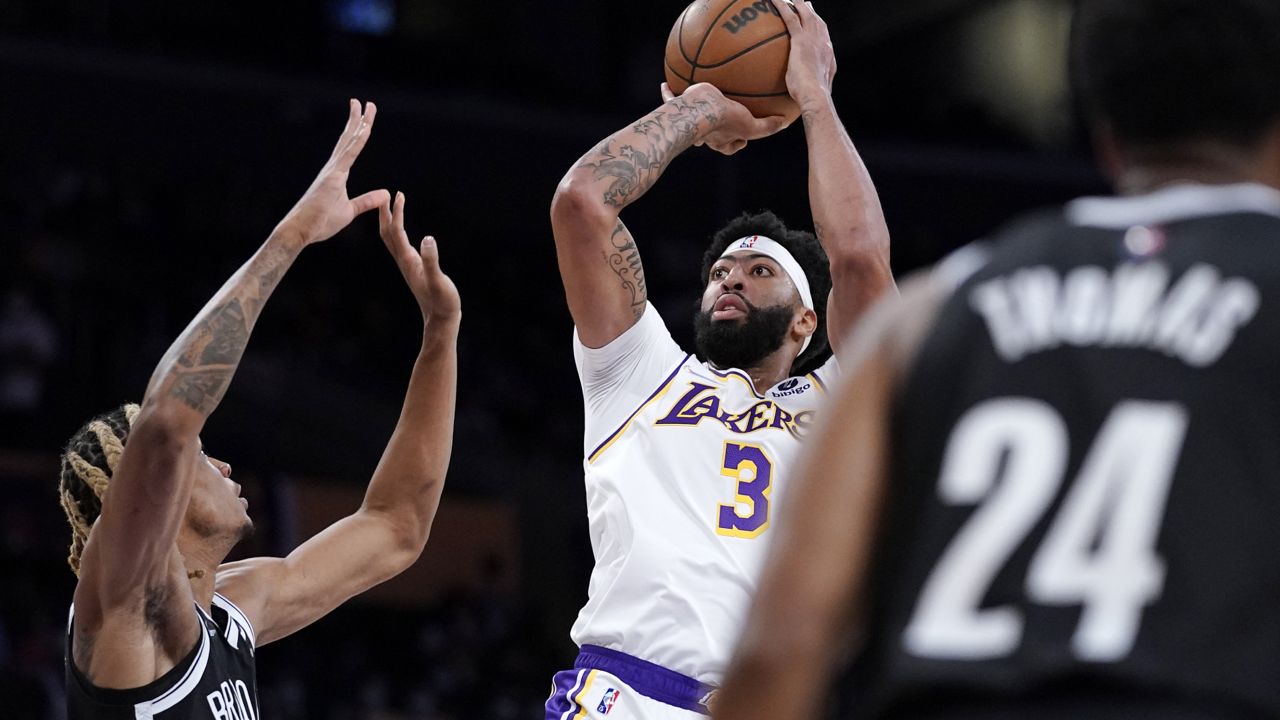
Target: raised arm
[[846, 209], [133, 540], [387, 533], [793, 641], [599, 263]]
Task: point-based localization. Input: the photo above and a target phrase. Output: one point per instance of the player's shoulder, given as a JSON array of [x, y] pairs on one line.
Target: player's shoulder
[[1033, 224], [1035, 234], [233, 621], [243, 587]]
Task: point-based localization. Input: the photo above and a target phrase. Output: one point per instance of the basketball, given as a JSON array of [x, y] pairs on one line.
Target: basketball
[[740, 46]]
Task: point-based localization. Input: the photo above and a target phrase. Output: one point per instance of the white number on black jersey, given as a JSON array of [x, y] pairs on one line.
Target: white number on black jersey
[[1099, 551]]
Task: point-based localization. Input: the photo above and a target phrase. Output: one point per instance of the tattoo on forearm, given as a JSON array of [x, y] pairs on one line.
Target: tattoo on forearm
[[228, 334], [268, 269], [625, 261], [632, 160], [202, 389], [204, 370], [208, 354]]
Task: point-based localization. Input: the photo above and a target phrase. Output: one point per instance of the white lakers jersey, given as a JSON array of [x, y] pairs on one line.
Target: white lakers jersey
[[685, 468]]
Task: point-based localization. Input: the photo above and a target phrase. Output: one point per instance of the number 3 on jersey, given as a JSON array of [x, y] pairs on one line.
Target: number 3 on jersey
[[1099, 551], [753, 471]]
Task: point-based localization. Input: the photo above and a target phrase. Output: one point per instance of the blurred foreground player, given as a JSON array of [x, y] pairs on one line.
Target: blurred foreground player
[[687, 459], [159, 627], [1049, 489]]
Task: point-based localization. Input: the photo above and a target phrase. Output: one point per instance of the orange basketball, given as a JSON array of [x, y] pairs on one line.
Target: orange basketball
[[740, 46]]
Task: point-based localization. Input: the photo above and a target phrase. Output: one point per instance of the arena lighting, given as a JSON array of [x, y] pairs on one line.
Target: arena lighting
[[1013, 55], [365, 17]]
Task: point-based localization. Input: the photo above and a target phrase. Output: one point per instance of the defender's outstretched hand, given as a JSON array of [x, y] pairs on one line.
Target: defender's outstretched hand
[[811, 67], [435, 292], [735, 125], [325, 209]]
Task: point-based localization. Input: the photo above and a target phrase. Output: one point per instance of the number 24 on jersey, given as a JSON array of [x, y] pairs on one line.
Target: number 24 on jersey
[[1099, 551]]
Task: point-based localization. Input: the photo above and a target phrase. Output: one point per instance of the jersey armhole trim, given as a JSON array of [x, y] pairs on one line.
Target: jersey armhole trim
[[237, 615], [189, 681], [165, 700], [608, 442]]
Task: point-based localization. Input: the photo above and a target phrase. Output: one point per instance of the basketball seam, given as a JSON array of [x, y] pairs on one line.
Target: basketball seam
[[710, 28], [743, 51], [677, 73], [680, 42]]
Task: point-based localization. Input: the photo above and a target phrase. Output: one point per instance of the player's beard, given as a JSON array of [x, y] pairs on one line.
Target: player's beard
[[741, 343]]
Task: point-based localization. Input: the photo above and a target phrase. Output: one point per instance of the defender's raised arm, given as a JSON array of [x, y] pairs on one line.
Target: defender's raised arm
[[389, 530], [168, 513]]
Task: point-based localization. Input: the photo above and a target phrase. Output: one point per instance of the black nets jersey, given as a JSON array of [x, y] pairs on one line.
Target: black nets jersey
[[1086, 474], [215, 681]]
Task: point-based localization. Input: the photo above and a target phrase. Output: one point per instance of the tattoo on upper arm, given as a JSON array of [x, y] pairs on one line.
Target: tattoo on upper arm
[[625, 261], [632, 160]]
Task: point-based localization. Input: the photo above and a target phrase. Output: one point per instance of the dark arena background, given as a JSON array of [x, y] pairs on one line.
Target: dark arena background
[[148, 148]]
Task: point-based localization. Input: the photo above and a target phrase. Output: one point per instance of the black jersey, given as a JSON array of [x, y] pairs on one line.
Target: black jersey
[[1086, 474], [215, 681]]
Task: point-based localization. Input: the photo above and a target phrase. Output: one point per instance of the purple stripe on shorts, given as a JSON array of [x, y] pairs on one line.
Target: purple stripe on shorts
[[563, 686], [652, 681]]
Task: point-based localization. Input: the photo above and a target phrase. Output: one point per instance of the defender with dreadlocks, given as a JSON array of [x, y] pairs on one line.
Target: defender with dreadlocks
[[160, 628]]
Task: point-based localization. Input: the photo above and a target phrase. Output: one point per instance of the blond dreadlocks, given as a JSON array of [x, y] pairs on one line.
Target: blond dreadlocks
[[89, 461]]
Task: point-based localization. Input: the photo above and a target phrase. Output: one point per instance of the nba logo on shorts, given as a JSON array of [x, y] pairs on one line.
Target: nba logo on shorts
[[606, 702]]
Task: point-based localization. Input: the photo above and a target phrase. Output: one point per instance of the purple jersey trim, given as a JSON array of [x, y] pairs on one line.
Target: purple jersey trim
[[642, 406], [740, 375], [818, 380], [652, 681]]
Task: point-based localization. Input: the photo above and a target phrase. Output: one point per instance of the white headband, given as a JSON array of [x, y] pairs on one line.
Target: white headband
[[772, 249]]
